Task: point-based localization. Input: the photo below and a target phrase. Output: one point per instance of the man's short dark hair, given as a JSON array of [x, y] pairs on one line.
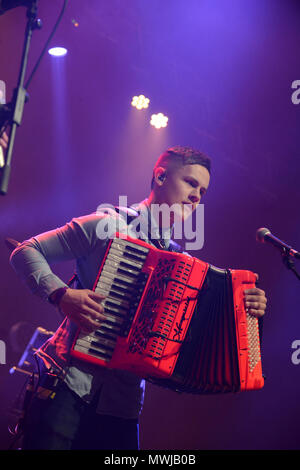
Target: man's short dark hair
[[179, 156]]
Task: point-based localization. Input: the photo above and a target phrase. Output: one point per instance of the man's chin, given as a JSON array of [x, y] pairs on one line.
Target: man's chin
[[183, 212]]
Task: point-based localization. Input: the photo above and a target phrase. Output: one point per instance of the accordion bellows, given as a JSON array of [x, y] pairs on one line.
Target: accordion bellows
[[175, 320]]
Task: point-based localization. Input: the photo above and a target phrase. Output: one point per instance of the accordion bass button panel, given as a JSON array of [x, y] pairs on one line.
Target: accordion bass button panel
[[254, 354], [247, 333]]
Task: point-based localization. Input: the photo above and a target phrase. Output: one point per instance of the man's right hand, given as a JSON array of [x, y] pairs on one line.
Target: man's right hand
[[83, 307]]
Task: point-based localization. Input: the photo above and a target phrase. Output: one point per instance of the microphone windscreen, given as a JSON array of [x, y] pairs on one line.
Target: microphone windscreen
[[261, 233]]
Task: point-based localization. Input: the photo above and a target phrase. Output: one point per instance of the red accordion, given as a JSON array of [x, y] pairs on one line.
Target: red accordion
[[174, 320]]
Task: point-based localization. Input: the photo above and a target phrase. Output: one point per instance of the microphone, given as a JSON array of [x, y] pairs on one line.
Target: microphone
[[9, 4], [264, 235]]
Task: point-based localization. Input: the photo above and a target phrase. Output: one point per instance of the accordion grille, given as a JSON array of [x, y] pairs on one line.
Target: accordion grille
[[153, 330]]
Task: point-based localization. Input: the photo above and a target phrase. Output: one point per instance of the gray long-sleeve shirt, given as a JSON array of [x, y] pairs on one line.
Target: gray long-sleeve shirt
[[84, 239]]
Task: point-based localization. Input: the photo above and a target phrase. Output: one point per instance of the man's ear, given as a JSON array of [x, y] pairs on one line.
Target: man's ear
[[160, 175]]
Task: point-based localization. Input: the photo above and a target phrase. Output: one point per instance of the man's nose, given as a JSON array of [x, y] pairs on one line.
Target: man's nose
[[194, 198]]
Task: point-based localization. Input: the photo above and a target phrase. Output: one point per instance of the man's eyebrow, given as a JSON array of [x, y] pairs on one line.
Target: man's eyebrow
[[194, 180]]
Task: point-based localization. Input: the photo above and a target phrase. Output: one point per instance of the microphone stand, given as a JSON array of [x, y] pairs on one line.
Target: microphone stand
[[11, 113], [289, 262]]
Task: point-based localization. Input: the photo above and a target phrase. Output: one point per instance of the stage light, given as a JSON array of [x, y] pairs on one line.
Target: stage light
[[140, 102], [58, 51], [75, 23], [159, 120]]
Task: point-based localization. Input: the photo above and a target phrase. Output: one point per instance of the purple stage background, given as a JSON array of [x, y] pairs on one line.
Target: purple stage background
[[222, 71]]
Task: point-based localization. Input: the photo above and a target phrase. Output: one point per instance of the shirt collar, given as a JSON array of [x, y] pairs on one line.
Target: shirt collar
[[150, 225]]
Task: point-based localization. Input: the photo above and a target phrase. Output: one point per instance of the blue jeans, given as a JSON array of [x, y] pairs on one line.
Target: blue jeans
[[66, 422]]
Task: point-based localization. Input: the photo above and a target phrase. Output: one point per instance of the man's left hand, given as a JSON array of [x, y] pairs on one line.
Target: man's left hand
[[255, 302]]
